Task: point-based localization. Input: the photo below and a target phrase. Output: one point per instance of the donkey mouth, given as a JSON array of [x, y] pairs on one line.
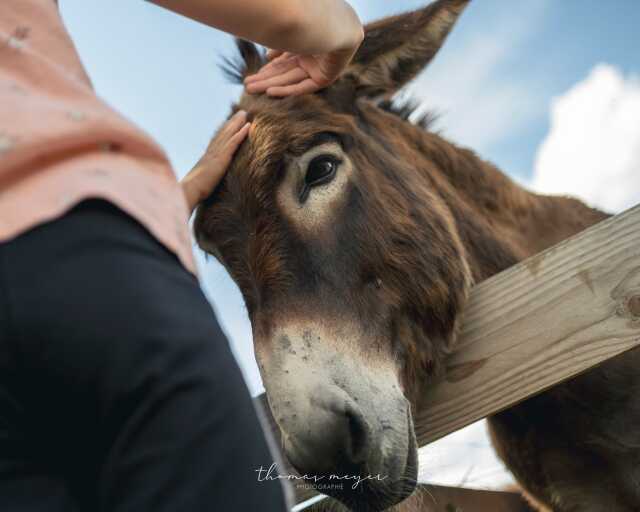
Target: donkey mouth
[[375, 493]]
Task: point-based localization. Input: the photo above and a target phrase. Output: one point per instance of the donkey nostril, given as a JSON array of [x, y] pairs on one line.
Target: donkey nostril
[[359, 436]]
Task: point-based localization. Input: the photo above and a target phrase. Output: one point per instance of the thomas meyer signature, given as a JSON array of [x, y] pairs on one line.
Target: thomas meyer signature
[[270, 474]]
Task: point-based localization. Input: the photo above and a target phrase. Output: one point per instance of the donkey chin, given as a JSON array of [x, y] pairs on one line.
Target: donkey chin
[[345, 423]]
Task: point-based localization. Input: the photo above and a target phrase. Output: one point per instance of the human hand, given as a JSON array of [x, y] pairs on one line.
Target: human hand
[[211, 168], [288, 74]]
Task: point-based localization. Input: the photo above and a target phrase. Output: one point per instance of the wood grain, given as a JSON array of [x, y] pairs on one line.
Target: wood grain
[[436, 498], [539, 323]]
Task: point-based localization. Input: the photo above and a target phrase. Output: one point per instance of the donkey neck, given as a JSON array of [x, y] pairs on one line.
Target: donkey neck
[[500, 222]]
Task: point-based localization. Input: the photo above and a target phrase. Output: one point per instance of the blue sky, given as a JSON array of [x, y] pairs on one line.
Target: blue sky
[[160, 69], [517, 81]]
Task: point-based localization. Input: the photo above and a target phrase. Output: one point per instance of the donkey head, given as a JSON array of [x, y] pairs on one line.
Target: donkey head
[[348, 259]]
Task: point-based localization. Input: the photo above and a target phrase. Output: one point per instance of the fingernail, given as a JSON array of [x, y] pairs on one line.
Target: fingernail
[[241, 113]]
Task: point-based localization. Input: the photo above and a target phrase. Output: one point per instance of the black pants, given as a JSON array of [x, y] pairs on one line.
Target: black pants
[[118, 391]]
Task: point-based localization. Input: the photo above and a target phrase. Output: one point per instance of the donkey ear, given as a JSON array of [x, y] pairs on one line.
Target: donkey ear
[[248, 61], [397, 48]]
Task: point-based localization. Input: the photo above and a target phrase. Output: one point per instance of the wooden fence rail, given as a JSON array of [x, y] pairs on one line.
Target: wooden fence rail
[[437, 498], [539, 323]]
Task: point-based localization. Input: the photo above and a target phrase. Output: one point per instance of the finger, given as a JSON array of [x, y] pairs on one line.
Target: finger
[[218, 163], [239, 137], [319, 73], [281, 65], [234, 124], [231, 146], [275, 62], [293, 76], [271, 70], [284, 59], [226, 131], [272, 54], [282, 56], [307, 86]]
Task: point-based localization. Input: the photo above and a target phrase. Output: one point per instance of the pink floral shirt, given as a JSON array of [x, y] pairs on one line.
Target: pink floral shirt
[[60, 144]]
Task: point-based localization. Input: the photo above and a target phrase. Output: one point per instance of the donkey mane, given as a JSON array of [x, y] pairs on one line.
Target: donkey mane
[[411, 111]]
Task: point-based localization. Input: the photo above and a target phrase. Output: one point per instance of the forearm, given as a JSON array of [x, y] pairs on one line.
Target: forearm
[[324, 26], [300, 26]]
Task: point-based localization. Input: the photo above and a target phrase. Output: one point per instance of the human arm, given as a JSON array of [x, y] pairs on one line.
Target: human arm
[[300, 26], [313, 41]]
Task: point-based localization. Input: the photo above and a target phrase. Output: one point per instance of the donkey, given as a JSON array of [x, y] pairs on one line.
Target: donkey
[[355, 236]]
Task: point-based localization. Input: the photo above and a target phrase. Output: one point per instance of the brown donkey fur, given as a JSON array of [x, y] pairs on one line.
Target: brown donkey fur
[[398, 241]]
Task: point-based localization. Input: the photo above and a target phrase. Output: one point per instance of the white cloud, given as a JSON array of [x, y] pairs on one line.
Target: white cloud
[[592, 150]]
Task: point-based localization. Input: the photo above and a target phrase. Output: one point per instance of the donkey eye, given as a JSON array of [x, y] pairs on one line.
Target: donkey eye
[[321, 169]]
